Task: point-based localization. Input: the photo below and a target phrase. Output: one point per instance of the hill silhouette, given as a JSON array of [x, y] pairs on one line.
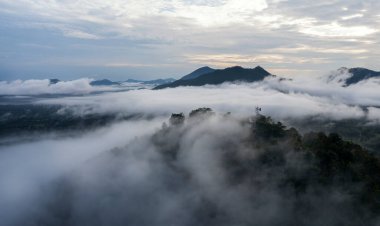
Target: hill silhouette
[[231, 74], [197, 73], [360, 74]]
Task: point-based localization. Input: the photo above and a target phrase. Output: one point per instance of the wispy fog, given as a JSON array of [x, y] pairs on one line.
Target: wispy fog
[[297, 97], [26, 168], [132, 173], [135, 174], [44, 86]]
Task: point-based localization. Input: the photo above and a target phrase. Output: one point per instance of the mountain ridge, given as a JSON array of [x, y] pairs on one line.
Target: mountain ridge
[[107, 82], [152, 82], [231, 74], [103, 82], [359, 74], [351, 76], [199, 72]]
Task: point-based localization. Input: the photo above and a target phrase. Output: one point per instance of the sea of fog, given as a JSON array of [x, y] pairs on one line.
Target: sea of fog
[[28, 169]]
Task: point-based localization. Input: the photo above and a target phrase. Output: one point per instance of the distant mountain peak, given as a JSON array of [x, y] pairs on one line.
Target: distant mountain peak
[[235, 67], [205, 67], [231, 74], [53, 81], [360, 74], [350, 76], [152, 82], [198, 72], [103, 82], [259, 68]]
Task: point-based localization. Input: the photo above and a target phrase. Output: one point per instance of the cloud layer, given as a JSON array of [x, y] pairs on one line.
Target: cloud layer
[[87, 37], [116, 173], [138, 173], [26, 168], [299, 97], [74, 87]]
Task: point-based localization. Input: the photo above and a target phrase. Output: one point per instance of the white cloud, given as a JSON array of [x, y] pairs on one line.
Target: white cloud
[[300, 97], [228, 60], [337, 30], [308, 48], [225, 13], [106, 12], [126, 15], [359, 15], [24, 168], [36, 87], [79, 34], [321, 33]]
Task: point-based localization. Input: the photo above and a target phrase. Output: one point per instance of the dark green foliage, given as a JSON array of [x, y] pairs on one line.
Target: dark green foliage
[[266, 129], [164, 139], [315, 163], [360, 131], [201, 112], [177, 119], [252, 171], [29, 119], [333, 162], [333, 153], [343, 162]]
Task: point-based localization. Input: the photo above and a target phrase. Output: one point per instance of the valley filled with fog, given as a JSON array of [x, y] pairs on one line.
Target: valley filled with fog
[[76, 154]]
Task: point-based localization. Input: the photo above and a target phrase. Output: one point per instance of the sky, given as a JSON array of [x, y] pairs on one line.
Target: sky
[[147, 39]]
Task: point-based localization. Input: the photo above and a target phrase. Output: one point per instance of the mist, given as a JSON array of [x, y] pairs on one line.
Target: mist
[[185, 173], [94, 130], [44, 86], [280, 98], [26, 168], [149, 171]]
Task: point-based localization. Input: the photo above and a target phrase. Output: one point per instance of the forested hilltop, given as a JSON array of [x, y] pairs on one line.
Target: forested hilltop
[[213, 169]]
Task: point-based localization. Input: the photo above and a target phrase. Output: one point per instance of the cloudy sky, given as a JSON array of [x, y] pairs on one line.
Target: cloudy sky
[[146, 39]]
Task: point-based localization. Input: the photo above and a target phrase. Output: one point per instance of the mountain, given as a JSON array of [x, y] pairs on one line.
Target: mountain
[[231, 74], [360, 74], [159, 81], [197, 73], [53, 81], [106, 82], [133, 81], [349, 76], [153, 82], [103, 82]]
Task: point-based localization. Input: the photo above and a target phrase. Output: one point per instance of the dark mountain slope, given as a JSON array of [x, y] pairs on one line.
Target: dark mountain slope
[[231, 74], [103, 82], [53, 81], [197, 73], [360, 74], [152, 82], [159, 81]]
